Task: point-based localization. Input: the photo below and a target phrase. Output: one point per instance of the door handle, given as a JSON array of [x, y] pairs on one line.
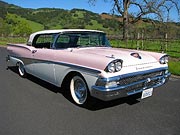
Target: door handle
[[34, 51]]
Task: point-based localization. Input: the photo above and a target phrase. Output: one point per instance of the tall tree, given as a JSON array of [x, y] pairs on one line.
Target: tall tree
[[156, 9]]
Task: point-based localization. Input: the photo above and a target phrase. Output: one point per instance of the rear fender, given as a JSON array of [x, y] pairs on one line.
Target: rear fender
[[14, 61]]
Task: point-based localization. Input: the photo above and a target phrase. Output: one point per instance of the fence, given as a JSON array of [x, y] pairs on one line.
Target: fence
[[165, 45]]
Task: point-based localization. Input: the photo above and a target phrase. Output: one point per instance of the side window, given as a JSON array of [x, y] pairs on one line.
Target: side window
[[62, 41], [44, 41], [83, 40], [89, 39], [94, 40]]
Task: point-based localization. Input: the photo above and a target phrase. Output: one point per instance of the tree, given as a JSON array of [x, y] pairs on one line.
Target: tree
[[17, 25], [156, 9], [4, 29]]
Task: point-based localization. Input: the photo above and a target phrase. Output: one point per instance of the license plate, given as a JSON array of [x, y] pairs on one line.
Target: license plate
[[147, 93]]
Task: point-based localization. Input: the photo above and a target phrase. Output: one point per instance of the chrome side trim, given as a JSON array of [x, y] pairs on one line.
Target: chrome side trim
[[70, 65], [79, 68], [20, 46]]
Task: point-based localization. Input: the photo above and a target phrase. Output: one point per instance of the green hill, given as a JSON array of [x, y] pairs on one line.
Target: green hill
[[53, 18], [22, 21]]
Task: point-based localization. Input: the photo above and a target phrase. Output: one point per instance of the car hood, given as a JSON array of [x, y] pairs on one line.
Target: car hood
[[117, 53]]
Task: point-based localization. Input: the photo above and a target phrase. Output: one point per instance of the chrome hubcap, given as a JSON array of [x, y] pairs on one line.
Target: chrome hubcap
[[80, 90]]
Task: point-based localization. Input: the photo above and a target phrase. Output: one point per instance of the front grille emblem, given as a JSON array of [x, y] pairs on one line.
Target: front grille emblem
[[148, 80]]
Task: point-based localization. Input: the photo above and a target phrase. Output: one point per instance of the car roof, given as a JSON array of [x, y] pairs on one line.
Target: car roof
[[31, 37]]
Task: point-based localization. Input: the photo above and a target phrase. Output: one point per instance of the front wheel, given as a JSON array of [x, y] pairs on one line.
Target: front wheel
[[79, 90]]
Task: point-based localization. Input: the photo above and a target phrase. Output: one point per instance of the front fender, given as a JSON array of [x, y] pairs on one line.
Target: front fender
[[61, 71]]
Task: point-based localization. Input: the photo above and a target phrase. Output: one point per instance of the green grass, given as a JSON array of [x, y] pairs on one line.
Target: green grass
[[172, 48], [174, 67], [35, 26], [95, 25], [4, 41]]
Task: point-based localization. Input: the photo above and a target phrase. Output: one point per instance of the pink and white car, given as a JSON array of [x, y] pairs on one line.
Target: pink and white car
[[84, 61]]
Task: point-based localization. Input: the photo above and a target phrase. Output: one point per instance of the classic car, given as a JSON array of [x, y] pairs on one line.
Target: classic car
[[84, 62]]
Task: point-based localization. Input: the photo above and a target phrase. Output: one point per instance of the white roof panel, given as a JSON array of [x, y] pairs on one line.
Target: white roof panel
[[31, 37]]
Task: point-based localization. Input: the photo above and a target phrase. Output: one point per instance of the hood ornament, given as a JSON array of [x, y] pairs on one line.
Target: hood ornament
[[112, 56], [136, 55]]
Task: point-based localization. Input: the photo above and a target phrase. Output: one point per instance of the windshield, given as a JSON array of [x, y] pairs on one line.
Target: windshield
[[81, 39]]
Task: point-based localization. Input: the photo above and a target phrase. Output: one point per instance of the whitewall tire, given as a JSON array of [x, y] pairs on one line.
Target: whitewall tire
[[21, 70], [79, 90]]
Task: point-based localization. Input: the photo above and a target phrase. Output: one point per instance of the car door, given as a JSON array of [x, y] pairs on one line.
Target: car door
[[43, 66], [42, 55]]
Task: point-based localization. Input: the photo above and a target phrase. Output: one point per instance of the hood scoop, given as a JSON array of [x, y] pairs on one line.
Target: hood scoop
[[136, 55]]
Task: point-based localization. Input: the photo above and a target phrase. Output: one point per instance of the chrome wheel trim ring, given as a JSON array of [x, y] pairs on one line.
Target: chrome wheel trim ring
[[21, 69], [78, 90]]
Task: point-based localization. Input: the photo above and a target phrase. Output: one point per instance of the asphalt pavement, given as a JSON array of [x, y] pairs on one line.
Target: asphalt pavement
[[30, 106]]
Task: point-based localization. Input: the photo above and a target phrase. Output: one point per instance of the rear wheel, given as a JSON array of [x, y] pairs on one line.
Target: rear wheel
[[79, 90], [21, 70]]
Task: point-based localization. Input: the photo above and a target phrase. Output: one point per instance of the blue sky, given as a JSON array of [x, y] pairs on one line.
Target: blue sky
[[99, 7]]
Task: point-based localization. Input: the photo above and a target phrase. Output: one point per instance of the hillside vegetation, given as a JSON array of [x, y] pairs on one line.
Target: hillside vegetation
[[13, 17], [15, 20]]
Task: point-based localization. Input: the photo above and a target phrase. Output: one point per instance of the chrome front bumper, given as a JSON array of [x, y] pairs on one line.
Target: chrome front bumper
[[129, 84]]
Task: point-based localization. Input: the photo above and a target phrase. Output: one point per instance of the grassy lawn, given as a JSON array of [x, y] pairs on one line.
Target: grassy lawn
[[171, 48], [4, 41], [174, 67]]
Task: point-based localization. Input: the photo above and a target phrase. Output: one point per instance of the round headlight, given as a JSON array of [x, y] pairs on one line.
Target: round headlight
[[164, 59], [118, 66], [114, 66], [111, 67]]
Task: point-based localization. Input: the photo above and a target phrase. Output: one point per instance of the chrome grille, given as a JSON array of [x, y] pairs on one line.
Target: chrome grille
[[136, 78], [142, 81]]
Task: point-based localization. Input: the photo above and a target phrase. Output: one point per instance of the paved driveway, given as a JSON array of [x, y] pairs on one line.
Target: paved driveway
[[34, 107]]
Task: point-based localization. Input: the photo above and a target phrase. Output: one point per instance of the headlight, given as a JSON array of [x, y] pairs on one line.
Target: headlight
[[114, 66], [111, 67], [118, 66], [164, 59]]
